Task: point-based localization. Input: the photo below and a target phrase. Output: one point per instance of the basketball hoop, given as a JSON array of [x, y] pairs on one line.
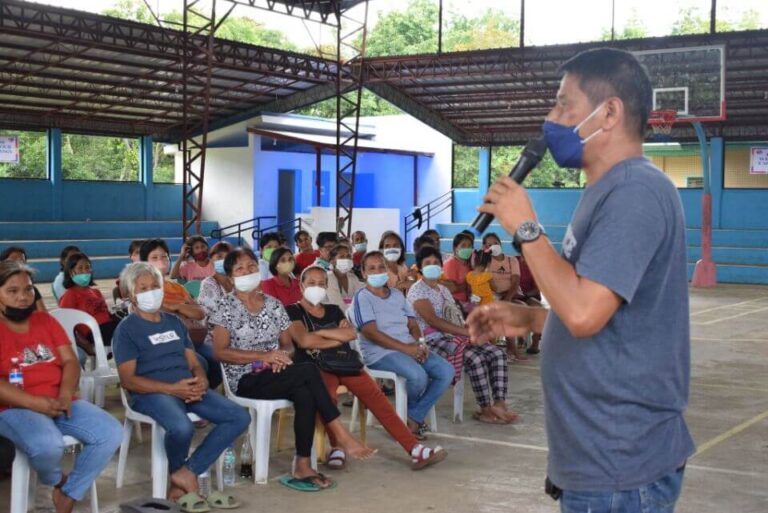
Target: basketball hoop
[[661, 122]]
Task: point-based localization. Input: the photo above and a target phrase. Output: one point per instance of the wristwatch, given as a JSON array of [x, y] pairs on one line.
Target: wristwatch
[[528, 231]]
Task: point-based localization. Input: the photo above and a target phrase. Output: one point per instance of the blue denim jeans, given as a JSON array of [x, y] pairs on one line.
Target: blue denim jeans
[[171, 413], [424, 382], [40, 438], [657, 497]]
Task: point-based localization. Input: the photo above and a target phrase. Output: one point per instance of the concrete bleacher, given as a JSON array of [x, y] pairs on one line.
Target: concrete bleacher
[[105, 242], [741, 255]]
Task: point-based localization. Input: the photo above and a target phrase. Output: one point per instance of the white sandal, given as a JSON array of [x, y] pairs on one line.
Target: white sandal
[[423, 457]]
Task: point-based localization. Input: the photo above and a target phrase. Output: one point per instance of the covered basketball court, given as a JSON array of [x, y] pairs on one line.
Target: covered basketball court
[[70, 71]]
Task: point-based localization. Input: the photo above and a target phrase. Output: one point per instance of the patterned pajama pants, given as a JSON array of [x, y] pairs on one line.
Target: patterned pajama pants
[[486, 366]]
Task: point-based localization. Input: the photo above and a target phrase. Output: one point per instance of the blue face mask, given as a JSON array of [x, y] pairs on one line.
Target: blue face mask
[[432, 272], [83, 279], [377, 280], [218, 266], [321, 262], [565, 144]]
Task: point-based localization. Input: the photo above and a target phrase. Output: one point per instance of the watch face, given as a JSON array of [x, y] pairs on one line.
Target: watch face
[[528, 231]]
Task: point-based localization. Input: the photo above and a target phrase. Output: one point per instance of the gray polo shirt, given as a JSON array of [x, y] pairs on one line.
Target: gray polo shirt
[[614, 402]]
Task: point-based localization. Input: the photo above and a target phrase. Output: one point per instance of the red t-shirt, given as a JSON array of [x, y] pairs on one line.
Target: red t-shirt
[[304, 260], [86, 299], [456, 270], [38, 354], [357, 258], [286, 295]]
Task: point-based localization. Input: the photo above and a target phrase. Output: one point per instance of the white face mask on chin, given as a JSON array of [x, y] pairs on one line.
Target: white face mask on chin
[[248, 282]]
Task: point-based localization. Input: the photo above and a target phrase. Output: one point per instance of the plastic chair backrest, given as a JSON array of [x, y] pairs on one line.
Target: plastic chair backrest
[[227, 390], [351, 318], [193, 287], [69, 318]]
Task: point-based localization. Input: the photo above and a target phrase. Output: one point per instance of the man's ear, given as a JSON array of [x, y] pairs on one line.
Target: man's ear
[[614, 113]]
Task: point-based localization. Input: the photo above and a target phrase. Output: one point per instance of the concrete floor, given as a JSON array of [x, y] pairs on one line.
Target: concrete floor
[[501, 468]]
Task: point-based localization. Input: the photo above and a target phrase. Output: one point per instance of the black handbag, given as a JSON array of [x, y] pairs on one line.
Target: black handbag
[[342, 360]]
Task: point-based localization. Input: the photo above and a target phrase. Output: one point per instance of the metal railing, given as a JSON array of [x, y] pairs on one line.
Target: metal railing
[[237, 229], [423, 214], [287, 228]]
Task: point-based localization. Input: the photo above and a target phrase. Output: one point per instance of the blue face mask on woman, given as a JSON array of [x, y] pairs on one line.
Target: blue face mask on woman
[[432, 272], [377, 280], [565, 144], [218, 267]]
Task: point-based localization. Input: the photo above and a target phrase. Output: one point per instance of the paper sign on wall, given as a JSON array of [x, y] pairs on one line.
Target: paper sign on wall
[[9, 148], [758, 160]]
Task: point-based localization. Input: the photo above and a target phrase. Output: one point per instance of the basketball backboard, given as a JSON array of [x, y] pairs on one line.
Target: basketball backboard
[[689, 80]]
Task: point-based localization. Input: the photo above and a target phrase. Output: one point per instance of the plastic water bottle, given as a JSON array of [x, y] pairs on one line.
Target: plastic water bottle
[[230, 461], [204, 482], [16, 375], [246, 460]]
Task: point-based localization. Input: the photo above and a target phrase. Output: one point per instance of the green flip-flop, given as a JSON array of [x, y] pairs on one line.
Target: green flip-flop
[[306, 484], [193, 503], [218, 500]]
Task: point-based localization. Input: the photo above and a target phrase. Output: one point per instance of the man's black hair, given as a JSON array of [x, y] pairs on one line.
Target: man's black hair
[[324, 237], [606, 72], [269, 237], [299, 234]]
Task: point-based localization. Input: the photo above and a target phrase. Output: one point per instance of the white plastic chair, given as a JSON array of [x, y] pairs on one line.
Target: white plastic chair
[[401, 394], [92, 382], [159, 457], [24, 482], [260, 429]]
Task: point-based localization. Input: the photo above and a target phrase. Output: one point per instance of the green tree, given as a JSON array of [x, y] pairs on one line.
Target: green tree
[[410, 32], [693, 20], [32, 159], [633, 28], [492, 29]]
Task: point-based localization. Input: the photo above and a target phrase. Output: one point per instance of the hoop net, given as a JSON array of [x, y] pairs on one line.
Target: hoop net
[[661, 122]]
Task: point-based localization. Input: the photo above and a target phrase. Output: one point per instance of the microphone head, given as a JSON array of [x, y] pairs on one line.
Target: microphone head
[[536, 148]]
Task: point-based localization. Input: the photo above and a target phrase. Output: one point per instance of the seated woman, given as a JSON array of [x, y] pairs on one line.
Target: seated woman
[[212, 289], [342, 282], [388, 339], [251, 336], [81, 294], [393, 249], [158, 366], [18, 254], [317, 326], [38, 414], [485, 364], [283, 285], [57, 287], [199, 267], [504, 269], [176, 299], [456, 268]]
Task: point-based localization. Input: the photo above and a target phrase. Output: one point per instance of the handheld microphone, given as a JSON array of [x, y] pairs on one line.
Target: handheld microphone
[[532, 154]]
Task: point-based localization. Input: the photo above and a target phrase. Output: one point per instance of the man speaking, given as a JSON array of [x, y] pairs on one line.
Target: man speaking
[[615, 364]]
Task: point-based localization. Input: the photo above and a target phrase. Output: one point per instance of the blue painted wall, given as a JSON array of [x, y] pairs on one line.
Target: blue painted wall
[[33, 200], [384, 180]]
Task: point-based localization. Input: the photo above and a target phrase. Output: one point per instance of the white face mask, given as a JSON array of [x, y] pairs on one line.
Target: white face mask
[[392, 254], [344, 265], [150, 301], [248, 282], [496, 250], [314, 295]]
